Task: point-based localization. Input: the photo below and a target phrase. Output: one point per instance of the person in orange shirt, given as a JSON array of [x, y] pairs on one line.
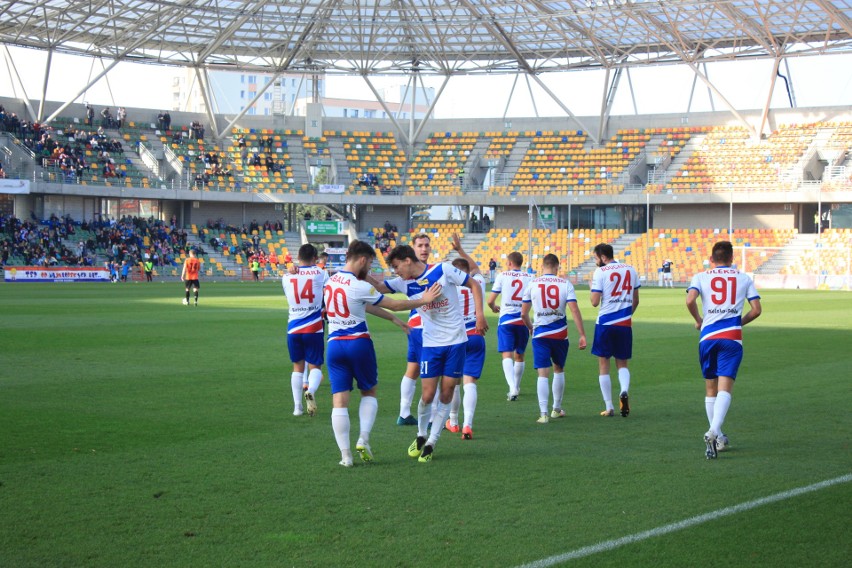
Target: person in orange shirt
[[189, 275]]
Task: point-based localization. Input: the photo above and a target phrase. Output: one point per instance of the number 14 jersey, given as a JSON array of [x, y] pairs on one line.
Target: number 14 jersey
[[723, 292], [304, 297]]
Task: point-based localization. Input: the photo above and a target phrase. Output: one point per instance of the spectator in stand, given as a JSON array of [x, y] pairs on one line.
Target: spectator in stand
[[167, 121], [122, 116], [2, 171], [90, 115], [106, 115], [267, 142]]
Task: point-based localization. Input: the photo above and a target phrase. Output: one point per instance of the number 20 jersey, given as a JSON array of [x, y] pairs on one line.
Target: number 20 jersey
[[615, 282], [304, 296], [345, 300], [723, 292]]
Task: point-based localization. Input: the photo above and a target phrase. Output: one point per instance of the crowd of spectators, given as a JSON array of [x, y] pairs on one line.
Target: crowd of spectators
[[41, 244], [386, 239]]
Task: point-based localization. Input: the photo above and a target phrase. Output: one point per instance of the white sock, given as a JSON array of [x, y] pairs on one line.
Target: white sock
[[543, 394], [454, 406], [509, 372], [424, 412], [367, 416], [406, 395], [296, 385], [720, 409], [433, 415], [437, 427], [470, 396], [314, 380], [340, 425], [558, 390], [709, 402], [606, 390], [519, 373], [624, 379]]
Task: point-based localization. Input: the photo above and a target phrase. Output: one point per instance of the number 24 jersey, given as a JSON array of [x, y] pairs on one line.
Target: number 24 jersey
[[615, 282]]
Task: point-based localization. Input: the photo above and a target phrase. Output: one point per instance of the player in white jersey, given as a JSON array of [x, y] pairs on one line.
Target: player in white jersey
[[444, 338], [422, 246], [474, 349], [512, 334], [351, 355], [615, 288], [547, 297], [723, 291], [305, 327]]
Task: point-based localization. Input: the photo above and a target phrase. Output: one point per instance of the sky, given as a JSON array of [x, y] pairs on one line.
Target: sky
[[817, 81]]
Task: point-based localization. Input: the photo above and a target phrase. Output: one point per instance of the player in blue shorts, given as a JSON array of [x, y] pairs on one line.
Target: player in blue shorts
[[723, 291], [422, 246], [474, 358], [512, 334], [348, 298], [304, 289], [443, 354], [615, 288], [548, 297]]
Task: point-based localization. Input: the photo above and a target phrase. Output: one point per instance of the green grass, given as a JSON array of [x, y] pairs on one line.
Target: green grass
[[135, 431]]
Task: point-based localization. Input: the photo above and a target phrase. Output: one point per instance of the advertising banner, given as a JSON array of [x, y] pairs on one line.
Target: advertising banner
[[55, 274]]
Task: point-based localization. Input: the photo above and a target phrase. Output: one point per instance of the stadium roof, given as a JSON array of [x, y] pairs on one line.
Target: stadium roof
[[373, 37], [418, 37]]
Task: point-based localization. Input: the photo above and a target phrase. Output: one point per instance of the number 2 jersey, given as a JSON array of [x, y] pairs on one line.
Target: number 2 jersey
[[615, 282], [511, 286], [549, 296], [304, 296], [724, 291]]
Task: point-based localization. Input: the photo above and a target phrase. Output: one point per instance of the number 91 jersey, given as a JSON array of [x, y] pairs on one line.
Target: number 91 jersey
[[615, 282], [723, 292]]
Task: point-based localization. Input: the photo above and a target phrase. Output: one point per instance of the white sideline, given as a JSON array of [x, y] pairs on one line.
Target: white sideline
[[690, 522]]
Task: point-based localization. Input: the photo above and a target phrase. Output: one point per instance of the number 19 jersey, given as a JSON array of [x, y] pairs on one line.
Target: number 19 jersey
[[549, 296], [511, 286], [304, 296], [615, 282], [345, 301], [723, 292]]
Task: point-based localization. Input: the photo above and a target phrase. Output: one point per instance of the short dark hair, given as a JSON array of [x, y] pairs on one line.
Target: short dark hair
[[419, 236], [604, 250], [550, 260], [401, 252], [723, 252], [461, 264], [358, 249], [515, 258], [307, 252]]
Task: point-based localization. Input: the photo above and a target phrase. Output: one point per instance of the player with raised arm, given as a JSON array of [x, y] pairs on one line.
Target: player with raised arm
[[351, 356], [189, 276], [547, 297], [304, 289], [512, 335], [723, 291], [422, 246], [444, 338], [474, 349], [615, 288]]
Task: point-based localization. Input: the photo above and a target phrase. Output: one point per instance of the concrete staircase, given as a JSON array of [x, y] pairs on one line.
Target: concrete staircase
[[301, 175], [585, 270], [514, 159], [798, 247]]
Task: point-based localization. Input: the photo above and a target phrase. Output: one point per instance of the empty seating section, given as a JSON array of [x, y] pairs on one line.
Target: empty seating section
[[374, 153], [440, 237], [254, 172], [689, 250], [572, 247], [831, 259], [673, 141], [729, 157], [435, 168], [501, 144]]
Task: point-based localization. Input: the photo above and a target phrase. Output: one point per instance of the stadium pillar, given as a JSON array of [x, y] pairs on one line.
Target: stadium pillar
[[565, 108], [10, 64], [44, 85], [389, 114], [765, 113]]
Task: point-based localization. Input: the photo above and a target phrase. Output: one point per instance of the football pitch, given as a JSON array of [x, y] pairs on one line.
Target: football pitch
[[135, 431]]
